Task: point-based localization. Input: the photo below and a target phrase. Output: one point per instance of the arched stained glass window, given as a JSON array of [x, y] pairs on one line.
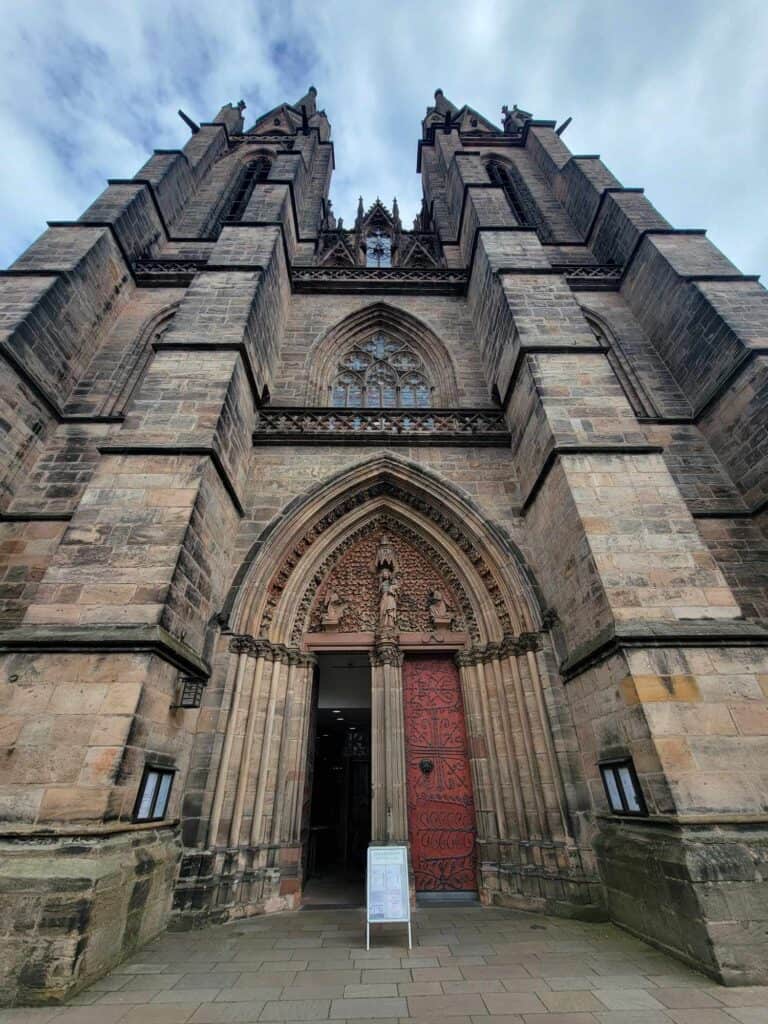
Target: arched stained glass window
[[381, 373], [347, 390]]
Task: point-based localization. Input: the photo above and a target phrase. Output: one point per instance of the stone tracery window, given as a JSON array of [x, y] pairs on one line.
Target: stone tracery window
[[381, 373]]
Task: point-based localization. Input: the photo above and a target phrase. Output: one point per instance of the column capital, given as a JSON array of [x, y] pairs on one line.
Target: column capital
[[386, 653]]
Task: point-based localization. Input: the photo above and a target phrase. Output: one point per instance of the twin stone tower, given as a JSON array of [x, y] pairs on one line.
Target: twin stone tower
[[547, 407]]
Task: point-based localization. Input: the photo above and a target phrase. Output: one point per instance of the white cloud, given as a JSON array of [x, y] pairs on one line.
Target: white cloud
[[671, 95]]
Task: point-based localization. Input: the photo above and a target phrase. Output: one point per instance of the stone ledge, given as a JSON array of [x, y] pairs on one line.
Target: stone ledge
[[162, 449], [24, 833], [682, 633], [629, 448], [107, 638], [680, 822]]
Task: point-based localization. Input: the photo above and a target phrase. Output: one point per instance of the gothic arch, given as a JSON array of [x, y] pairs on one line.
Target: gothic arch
[[634, 389], [222, 181], [268, 596], [125, 363], [138, 359], [506, 175], [505, 674], [330, 347]]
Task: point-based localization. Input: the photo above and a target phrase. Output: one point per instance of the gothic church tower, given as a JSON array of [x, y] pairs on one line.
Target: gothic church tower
[[316, 536]]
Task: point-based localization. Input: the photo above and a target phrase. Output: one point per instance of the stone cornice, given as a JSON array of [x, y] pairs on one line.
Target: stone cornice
[[207, 451], [107, 638], [682, 633], [630, 448]]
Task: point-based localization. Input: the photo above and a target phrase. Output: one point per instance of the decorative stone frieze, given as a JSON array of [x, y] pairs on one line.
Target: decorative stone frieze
[[373, 426], [379, 280]]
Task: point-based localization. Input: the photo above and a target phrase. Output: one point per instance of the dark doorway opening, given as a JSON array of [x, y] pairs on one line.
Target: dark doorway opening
[[340, 808]]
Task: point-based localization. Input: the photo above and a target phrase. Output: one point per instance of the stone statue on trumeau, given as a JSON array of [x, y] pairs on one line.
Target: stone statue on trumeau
[[333, 609], [439, 612], [389, 587]]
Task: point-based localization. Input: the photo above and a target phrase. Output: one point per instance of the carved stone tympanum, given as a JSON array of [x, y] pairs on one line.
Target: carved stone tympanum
[[386, 582]]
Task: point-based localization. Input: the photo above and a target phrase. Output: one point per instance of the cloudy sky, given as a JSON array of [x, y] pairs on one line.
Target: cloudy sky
[[672, 93]]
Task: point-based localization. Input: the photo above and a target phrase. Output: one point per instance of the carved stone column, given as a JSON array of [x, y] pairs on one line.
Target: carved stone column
[[296, 761], [389, 819], [478, 751], [276, 696], [261, 652]]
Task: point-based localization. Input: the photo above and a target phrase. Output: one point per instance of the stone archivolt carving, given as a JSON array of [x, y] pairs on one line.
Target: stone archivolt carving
[[386, 579], [386, 488]]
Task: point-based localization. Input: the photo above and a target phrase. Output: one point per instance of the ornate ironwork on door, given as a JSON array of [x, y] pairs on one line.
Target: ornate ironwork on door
[[441, 812]]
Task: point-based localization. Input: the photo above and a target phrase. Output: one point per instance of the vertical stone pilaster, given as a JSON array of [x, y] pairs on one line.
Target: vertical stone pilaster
[[478, 755], [389, 816], [278, 676], [299, 752], [261, 662], [240, 646], [510, 780], [494, 767]]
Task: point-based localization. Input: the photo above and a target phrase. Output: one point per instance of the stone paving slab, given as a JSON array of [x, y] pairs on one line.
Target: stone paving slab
[[469, 965]]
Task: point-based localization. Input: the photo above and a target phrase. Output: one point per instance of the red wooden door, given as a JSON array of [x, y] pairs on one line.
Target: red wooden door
[[441, 812]]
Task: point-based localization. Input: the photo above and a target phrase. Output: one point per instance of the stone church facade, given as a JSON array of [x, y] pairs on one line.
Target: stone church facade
[[507, 470]]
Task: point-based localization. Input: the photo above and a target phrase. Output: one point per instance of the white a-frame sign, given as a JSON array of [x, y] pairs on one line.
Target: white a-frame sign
[[387, 896]]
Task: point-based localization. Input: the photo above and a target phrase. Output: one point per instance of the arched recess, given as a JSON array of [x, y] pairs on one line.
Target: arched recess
[[222, 188], [481, 553], [635, 390], [327, 351], [523, 776], [136, 360], [506, 176]]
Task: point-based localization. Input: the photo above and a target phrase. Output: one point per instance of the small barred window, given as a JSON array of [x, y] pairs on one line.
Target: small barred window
[[381, 373]]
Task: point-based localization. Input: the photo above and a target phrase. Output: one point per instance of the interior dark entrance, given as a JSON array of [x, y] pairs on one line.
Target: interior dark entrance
[[340, 805]]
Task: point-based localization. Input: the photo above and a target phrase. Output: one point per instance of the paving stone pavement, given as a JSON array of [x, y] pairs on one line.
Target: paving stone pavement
[[473, 965]]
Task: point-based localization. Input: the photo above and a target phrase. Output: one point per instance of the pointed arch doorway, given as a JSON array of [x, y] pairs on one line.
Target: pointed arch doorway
[[389, 563], [385, 594]]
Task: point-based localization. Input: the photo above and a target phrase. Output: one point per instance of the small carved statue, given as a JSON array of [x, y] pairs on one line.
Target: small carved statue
[[389, 588], [333, 609], [439, 612]]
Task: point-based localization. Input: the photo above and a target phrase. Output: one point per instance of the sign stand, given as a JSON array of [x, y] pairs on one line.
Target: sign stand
[[387, 896]]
